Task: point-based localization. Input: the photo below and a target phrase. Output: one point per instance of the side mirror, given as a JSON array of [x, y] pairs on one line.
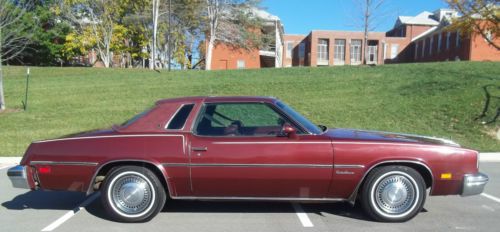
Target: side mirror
[[289, 131]]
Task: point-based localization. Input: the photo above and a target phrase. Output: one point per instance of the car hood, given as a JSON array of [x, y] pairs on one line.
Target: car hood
[[381, 136]]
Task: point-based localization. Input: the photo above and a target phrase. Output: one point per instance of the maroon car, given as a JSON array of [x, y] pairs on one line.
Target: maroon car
[[247, 148]]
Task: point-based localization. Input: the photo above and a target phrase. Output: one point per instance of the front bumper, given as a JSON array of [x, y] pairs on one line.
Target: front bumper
[[474, 184], [18, 177]]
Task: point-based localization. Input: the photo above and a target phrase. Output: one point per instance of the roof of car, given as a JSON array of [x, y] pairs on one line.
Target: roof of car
[[211, 99]]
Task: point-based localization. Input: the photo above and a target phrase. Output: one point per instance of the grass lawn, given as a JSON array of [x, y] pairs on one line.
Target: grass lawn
[[437, 99]]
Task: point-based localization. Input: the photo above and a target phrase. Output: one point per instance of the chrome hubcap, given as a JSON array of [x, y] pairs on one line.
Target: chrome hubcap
[[395, 194], [131, 194]]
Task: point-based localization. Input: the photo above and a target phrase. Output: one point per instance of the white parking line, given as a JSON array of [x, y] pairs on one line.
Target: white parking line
[[71, 213], [304, 219], [491, 197]]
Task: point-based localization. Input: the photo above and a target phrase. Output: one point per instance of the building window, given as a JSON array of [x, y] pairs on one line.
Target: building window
[[439, 42], [240, 64], [488, 35], [448, 35], [339, 51], [423, 48], [322, 51], [394, 50], [431, 43], [289, 49], [302, 50], [356, 51], [416, 51], [457, 42]]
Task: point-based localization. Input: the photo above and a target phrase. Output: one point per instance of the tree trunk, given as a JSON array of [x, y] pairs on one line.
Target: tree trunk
[[208, 60], [152, 64], [2, 99]]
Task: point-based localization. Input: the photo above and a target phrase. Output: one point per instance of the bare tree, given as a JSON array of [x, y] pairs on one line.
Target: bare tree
[[479, 16], [13, 36], [371, 14]]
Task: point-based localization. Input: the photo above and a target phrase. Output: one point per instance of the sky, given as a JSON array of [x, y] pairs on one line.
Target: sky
[[303, 16]]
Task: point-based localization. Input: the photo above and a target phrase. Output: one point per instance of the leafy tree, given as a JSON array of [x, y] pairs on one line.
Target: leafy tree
[[478, 16], [98, 20], [49, 32]]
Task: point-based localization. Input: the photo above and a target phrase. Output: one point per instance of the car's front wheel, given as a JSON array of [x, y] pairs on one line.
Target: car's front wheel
[[393, 193], [132, 194]]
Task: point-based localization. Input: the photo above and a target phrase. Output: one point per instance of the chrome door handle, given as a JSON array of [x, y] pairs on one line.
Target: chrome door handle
[[199, 148]]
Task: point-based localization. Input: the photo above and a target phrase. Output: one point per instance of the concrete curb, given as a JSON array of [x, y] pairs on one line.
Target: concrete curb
[[10, 160], [489, 157], [483, 157]]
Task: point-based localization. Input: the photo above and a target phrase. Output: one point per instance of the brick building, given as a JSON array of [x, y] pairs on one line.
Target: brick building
[[270, 55], [420, 38]]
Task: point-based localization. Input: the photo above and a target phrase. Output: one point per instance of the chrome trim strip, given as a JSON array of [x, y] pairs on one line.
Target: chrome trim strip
[[352, 197], [284, 142], [72, 163], [160, 168], [348, 166], [393, 144], [260, 198], [248, 165], [111, 136], [175, 164]]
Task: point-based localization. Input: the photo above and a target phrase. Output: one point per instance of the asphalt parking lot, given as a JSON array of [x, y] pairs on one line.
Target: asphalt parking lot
[[66, 211]]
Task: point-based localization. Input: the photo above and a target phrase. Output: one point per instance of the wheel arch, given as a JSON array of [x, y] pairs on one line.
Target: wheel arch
[[422, 168], [105, 168]]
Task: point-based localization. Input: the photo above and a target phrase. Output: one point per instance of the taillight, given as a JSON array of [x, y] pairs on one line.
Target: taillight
[[44, 170]]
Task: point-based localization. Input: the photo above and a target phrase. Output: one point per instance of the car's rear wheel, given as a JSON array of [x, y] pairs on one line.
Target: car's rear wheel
[[393, 193], [132, 194]]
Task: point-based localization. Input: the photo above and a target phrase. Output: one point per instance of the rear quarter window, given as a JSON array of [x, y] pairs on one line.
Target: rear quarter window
[[179, 119]]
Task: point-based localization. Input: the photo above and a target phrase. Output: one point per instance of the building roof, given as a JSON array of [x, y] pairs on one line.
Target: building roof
[[424, 18], [265, 15]]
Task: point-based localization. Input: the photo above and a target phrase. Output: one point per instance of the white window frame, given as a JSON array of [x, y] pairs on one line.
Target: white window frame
[[322, 53], [240, 64], [289, 49], [394, 51], [339, 51], [356, 51]]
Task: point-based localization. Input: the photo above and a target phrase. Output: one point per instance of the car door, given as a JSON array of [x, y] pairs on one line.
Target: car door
[[236, 150]]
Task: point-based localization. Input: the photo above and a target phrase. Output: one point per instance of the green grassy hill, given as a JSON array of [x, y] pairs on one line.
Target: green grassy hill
[[437, 99]]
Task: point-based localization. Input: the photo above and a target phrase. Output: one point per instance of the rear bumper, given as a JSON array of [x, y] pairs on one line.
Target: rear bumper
[[18, 177], [474, 184]]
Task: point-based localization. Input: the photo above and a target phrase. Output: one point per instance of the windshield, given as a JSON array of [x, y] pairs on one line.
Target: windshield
[[299, 118]]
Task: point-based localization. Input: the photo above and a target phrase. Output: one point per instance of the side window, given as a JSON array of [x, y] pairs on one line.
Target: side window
[[179, 119], [239, 119]]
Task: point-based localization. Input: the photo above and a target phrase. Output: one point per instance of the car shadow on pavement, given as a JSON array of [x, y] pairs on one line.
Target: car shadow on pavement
[[56, 200], [341, 209]]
